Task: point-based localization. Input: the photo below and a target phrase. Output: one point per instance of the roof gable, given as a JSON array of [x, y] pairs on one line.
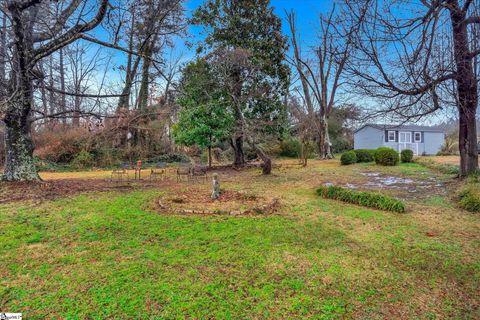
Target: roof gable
[[402, 127]]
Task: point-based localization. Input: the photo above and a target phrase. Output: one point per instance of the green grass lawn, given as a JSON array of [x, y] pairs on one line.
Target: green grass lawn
[[107, 255]]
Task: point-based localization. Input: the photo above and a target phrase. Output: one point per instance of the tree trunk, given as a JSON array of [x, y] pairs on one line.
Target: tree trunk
[[209, 156], [63, 103], [52, 106], [267, 162], [76, 106], [143, 94], [131, 71], [43, 94], [237, 141], [304, 153], [324, 145], [3, 56], [124, 100], [468, 142], [467, 93], [19, 162], [237, 146]]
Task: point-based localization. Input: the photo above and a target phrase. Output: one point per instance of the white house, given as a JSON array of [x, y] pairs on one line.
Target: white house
[[422, 140]]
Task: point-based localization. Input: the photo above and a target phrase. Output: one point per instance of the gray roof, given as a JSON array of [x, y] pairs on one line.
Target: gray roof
[[402, 127]]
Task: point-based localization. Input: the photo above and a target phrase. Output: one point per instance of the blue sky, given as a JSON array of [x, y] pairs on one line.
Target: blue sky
[[307, 12]]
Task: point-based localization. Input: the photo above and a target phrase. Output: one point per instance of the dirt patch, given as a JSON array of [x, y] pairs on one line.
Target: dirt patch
[[54, 189], [407, 188], [229, 202]]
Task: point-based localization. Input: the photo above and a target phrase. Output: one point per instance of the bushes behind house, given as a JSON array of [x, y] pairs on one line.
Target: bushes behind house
[[406, 156], [363, 198], [386, 156], [348, 157], [365, 155]]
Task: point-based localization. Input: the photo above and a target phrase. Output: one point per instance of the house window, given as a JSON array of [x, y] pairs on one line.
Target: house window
[[391, 136], [417, 137]]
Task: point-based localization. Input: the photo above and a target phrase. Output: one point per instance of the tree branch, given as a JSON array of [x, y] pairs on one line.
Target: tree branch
[[71, 35], [59, 24]]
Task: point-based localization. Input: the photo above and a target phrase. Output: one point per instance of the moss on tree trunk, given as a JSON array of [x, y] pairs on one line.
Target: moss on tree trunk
[[19, 162]]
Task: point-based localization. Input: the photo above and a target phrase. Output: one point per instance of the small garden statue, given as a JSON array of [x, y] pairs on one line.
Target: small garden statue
[[216, 187]]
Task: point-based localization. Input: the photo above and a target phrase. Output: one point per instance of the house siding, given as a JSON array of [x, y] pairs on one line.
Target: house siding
[[434, 142], [368, 138], [372, 138]]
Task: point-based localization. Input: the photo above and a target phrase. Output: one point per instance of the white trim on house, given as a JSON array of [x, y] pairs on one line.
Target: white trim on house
[[415, 136], [389, 138], [405, 142]]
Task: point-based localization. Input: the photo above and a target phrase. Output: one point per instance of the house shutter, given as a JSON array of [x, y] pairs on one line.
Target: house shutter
[[413, 137], [396, 136], [423, 137], [386, 135]]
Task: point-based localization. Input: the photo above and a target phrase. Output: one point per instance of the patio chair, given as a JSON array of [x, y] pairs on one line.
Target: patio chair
[[159, 171], [120, 173], [199, 173], [183, 172]]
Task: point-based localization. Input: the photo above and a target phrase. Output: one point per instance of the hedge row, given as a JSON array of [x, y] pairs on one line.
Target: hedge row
[[386, 156], [348, 157], [383, 156], [365, 155], [363, 198]]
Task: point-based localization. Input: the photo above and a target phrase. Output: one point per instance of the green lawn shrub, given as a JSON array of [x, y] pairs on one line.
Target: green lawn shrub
[[440, 167], [386, 156], [363, 198], [365, 155], [289, 147], [82, 160], [470, 197], [406, 156], [174, 157], [348, 157]]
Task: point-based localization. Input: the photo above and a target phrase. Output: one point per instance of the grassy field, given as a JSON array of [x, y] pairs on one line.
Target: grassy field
[[98, 255]]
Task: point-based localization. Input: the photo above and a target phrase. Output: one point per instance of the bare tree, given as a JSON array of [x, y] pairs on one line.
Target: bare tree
[[33, 39], [410, 56], [320, 77], [150, 26]]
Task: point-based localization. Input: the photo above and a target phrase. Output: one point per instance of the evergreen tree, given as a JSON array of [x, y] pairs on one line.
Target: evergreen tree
[[204, 118], [244, 39]]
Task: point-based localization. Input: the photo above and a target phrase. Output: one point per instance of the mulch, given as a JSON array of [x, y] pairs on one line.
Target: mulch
[[54, 189], [63, 188]]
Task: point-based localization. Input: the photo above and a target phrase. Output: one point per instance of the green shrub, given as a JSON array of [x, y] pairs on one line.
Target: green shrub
[[340, 144], [363, 198], [406, 155], [386, 156], [365, 155], [290, 147], [83, 159], [440, 167], [348, 157], [172, 158], [470, 197]]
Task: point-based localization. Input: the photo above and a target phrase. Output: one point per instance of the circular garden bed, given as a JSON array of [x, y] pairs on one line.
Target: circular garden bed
[[229, 202]]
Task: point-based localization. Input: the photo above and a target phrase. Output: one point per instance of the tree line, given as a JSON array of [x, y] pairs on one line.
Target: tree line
[[248, 84]]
